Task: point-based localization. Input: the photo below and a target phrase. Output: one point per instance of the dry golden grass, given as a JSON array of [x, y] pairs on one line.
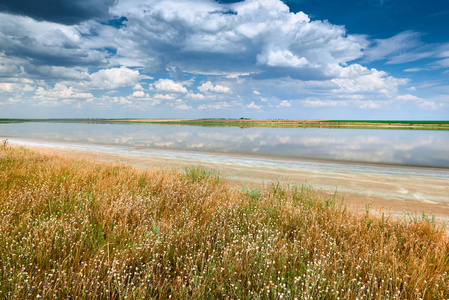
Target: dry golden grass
[[82, 229]]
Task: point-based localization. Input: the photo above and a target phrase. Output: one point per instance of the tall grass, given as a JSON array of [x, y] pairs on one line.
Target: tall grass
[[88, 230]]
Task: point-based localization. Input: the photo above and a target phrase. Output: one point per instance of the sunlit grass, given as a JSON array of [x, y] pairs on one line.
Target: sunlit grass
[[84, 229]]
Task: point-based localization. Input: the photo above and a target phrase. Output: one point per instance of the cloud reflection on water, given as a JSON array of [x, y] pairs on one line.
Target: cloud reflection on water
[[430, 148]]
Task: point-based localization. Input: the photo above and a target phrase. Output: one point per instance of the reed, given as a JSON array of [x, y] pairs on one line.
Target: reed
[[89, 230]]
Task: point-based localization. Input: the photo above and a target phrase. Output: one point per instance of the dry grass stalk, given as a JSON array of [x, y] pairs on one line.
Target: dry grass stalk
[[83, 229]]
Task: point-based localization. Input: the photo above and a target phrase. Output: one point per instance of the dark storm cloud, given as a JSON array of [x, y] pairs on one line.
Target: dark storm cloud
[[67, 12], [39, 54], [27, 42]]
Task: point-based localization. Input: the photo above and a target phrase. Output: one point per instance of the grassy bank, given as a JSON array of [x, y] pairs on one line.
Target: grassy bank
[[83, 229]]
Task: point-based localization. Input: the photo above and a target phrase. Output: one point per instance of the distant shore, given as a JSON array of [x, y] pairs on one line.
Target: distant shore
[[244, 122]]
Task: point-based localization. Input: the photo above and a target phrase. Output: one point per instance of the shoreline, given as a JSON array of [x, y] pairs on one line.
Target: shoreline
[[395, 193], [276, 123]]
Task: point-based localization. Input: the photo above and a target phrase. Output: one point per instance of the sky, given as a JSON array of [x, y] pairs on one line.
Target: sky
[[291, 59]]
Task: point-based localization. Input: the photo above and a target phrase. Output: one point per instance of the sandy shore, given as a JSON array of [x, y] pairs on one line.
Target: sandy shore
[[395, 190]]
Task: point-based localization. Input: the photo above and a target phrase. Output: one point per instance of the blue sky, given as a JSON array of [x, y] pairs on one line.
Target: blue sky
[[295, 59]]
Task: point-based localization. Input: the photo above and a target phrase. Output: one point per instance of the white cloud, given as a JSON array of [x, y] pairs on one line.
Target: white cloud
[[361, 104], [193, 96], [408, 47], [139, 94], [420, 102], [216, 106], [59, 92], [283, 55], [313, 102], [132, 101], [252, 105], [443, 63], [415, 69], [284, 103], [429, 105], [200, 37], [358, 79], [164, 97], [388, 48], [209, 87], [7, 86], [373, 104], [108, 79], [407, 97], [180, 105], [281, 58], [18, 86], [183, 107], [169, 86]]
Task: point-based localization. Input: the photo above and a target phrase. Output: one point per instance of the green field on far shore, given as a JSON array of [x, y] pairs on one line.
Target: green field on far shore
[[276, 123]]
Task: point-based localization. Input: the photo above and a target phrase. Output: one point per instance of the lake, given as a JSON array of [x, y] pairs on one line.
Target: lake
[[397, 147]]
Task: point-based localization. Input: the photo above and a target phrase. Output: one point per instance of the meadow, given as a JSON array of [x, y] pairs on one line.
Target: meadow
[[83, 229]]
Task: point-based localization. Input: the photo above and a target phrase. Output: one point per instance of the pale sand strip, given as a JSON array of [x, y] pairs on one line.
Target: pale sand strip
[[395, 194]]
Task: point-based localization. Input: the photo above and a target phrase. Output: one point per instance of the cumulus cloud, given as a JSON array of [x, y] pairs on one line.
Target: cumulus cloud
[[17, 85], [164, 97], [420, 102], [252, 105], [60, 91], [235, 51], [11, 87], [208, 87], [284, 103], [138, 87], [359, 79], [108, 79], [139, 94], [281, 58], [193, 96], [169, 86], [202, 37], [180, 105]]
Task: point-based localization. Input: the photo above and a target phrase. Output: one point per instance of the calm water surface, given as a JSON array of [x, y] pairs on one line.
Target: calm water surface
[[403, 147]]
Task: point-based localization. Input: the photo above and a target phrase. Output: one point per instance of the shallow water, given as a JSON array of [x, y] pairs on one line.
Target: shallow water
[[395, 170], [399, 147]]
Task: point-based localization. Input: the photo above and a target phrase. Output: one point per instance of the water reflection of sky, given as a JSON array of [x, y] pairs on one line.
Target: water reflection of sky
[[430, 148]]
